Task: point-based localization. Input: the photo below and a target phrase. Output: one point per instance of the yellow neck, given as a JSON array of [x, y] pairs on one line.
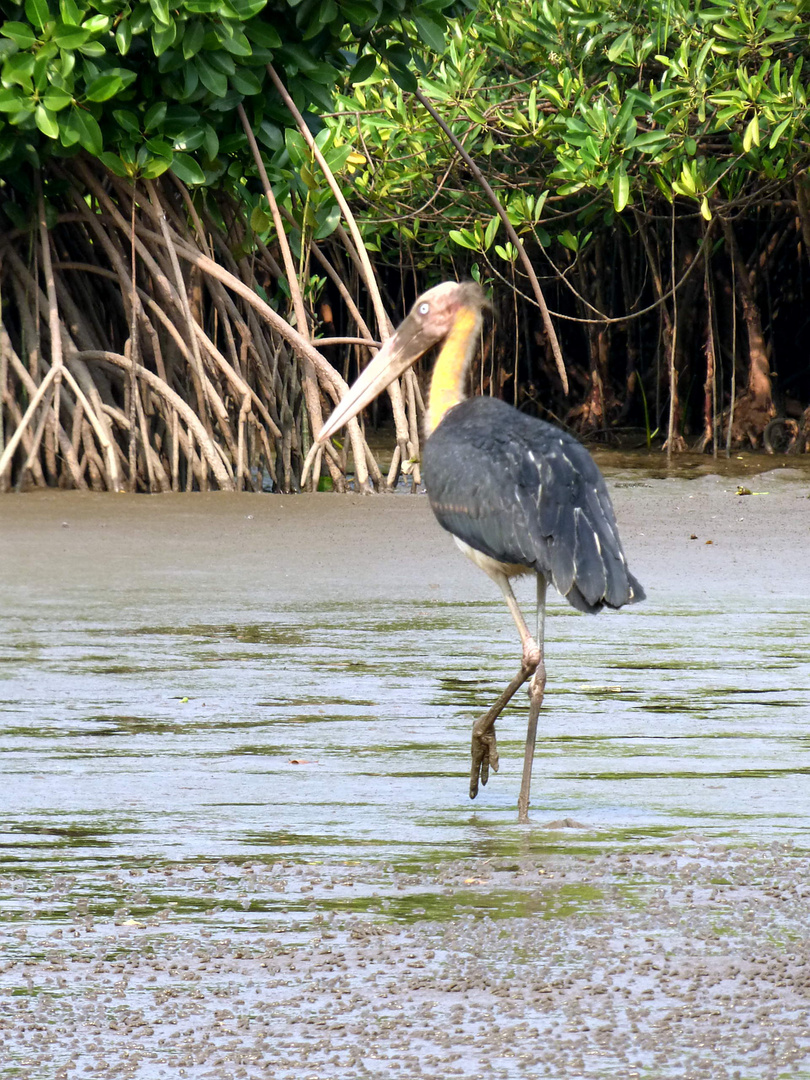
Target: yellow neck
[[447, 383]]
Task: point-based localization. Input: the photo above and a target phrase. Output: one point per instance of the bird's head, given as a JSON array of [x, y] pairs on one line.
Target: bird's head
[[430, 320]]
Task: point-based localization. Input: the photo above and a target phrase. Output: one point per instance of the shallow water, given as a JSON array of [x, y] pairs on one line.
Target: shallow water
[[167, 693], [324, 731], [215, 738]]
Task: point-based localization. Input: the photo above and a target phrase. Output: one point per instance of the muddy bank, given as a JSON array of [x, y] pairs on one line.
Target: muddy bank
[[235, 836], [682, 537]]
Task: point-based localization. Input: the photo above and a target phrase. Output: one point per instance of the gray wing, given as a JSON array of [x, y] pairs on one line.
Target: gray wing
[[525, 492]]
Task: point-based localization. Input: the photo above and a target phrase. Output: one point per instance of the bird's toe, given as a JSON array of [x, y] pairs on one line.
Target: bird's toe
[[484, 757]]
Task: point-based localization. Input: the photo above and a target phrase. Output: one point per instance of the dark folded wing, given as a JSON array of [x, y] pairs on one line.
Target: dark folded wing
[[522, 491]]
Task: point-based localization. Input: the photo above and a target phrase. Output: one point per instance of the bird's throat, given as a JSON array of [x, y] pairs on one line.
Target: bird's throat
[[450, 369]]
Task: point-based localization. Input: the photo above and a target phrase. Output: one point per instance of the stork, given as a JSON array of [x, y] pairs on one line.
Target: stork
[[519, 495]]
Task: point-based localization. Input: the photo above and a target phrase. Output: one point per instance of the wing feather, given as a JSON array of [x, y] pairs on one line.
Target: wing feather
[[525, 492]]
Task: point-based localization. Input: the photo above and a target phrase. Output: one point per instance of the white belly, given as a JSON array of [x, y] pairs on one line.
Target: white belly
[[491, 566]]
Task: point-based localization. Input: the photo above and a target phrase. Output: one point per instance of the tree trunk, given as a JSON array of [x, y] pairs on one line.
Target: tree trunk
[[755, 407], [803, 203]]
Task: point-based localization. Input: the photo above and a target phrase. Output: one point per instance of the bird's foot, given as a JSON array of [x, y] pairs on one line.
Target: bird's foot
[[484, 753], [484, 743]]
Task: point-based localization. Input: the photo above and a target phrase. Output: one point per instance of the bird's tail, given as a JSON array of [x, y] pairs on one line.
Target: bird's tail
[[635, 593]]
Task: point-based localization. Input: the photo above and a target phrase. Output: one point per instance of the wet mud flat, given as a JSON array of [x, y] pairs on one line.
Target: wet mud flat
[[235, 839], [688, 962]]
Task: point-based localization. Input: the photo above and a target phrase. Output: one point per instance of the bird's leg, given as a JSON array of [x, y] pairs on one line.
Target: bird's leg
[[484, 743], [536, 690]]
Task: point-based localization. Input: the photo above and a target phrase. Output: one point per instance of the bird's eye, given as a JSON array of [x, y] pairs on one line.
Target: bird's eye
[[423, 309]]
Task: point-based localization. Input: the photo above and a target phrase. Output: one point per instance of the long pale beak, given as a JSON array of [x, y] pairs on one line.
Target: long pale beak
[[394, 358]]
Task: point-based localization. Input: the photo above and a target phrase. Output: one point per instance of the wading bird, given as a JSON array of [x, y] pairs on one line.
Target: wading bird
[[519, 496]]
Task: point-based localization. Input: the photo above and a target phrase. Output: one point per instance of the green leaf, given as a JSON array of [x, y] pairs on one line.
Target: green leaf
[[464, 239], [104, 87], [245, 9], [687, 180], [212, 80], [220, 61], [328, 220], [170, 61], [337, 157], [187, 169], [123, 36], [363, 69], [246, 82], [296, 146], [270, 135], [127, 120], [38, 12], [97, 24], [404, 79], [188, 140], [324, 139], [191, 81], [159, 147], [82, 127], [751, 134], [41, 62], [778, 132], [260, 219], [430, 30], [155, 167], [70, 12], [18, 69], [650, 142], [360, 12], [67, 36], [20, 33], [210, 142], [163, 38], [491, 231], [155, 116], [114, 163], [46, 122], [193, 38], [621, 189], [160, 9], [318, 94], [619, 46], [237, 44], [56, 99], [180, 117], [263, 34]]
